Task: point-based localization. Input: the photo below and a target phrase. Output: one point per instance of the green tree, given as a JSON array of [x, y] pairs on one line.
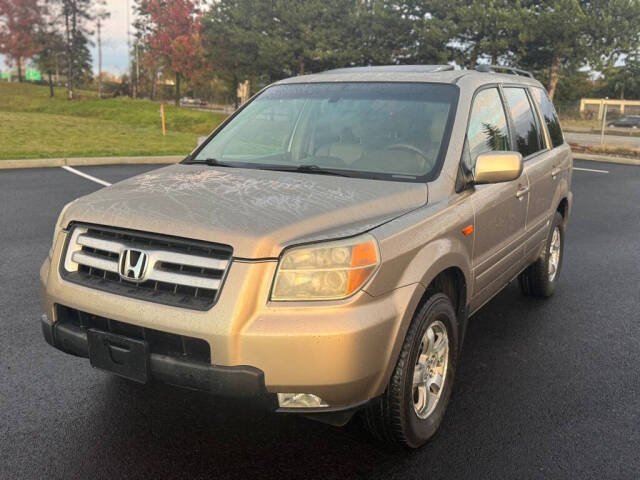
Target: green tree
[[75, 15], [269, 40], [19, 22], [553, 37], [232, 35], [563, 35], [614, 30], [426, 29], [486, 29], [380, 34], [311, 35], [574, 84], [622, 81], [52, 55], [173, 34]]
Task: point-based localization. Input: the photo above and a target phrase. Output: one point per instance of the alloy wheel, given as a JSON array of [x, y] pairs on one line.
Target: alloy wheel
[[554, 254], [430, 371]]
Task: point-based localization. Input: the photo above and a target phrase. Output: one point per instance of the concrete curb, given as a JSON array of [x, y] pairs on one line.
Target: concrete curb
[[619, 132], [606, 159], [84, 161]]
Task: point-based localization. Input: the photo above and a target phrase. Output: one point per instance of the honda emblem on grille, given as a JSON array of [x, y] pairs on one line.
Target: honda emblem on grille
[[133, 264]]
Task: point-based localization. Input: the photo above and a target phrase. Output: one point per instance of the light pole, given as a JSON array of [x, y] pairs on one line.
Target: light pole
[[99, 60], [130, 67], [101, 15], [137, 67]]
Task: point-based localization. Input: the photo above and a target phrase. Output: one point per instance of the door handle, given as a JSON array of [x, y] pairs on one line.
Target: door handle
[[555, 172], [522, 192]]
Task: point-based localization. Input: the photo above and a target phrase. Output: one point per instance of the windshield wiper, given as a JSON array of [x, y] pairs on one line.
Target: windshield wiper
[[319, 169], [212, 162], [307, 169]]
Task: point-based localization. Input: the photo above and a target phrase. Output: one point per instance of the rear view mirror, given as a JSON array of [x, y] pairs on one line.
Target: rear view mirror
[[496, 167]]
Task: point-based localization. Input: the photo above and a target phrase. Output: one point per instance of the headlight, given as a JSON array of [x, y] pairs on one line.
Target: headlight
[[326, 271]]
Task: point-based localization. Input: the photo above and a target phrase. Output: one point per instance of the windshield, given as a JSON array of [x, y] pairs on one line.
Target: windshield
[[373, 130]]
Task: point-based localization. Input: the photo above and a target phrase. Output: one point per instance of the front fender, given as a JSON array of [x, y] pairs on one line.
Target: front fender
[[422, 264], [430, 260], [438, 256]]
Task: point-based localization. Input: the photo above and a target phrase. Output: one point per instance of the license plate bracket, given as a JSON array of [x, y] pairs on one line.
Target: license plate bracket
[[117, 354]]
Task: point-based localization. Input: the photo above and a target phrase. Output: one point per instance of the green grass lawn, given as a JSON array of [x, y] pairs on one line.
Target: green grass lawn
[[33, 125]]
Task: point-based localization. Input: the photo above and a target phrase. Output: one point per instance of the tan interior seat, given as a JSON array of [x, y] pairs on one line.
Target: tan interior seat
[[396, 159], [348, 152]]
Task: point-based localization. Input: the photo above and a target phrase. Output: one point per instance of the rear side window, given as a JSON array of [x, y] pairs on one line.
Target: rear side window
[[527, 135], [488, 131], [549, 113]]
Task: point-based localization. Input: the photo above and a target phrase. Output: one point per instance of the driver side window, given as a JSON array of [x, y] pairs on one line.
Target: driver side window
[[488, 130]]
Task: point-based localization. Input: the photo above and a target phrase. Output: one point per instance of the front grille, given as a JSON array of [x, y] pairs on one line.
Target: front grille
[[163, 343], [178, 272]]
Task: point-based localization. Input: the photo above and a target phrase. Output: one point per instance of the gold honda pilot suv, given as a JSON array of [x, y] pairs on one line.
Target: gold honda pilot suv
[[322, 251]]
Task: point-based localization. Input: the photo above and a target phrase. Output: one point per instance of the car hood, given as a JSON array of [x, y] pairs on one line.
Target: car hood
[[257, 212]]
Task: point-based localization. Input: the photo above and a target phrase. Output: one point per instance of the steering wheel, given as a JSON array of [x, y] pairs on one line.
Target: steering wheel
[[411, 148]]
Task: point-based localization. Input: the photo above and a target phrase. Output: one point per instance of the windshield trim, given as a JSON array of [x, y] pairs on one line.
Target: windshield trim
[[429, 177]]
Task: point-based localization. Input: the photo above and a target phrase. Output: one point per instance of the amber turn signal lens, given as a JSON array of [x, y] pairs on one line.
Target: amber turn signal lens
[[364, 260]]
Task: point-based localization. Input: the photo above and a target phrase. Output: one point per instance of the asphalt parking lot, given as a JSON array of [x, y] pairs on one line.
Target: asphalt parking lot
[[545, 389]]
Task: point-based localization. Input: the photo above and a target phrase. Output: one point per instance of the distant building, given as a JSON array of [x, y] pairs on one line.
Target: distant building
[[594, 107]]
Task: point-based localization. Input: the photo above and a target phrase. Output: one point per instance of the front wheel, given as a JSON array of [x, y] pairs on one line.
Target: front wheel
[[413, 405], [541, 277]]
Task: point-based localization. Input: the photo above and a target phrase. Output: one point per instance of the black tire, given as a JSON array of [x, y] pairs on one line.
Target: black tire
[[392, 418], [535, 281]]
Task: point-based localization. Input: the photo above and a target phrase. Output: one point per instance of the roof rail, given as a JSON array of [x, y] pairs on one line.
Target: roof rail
[[394, 69], [485, 68]]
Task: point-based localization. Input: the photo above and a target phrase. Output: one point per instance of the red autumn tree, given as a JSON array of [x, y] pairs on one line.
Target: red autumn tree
[[19, 20], [173, 34]]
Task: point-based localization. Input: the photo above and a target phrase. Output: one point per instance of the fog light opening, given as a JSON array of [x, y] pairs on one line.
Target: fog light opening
[[300, 400]]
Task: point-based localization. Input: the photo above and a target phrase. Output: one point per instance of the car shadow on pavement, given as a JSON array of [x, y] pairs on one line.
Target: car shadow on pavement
[[160, 430]]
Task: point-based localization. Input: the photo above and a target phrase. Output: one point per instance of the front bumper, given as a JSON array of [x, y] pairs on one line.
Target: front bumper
[[341, 351], [237, 381]]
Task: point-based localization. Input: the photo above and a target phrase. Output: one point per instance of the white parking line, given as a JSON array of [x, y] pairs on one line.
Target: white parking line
[[590, 170], [88, 177]]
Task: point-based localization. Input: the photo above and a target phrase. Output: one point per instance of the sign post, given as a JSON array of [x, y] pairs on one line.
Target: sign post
[[604, 123], [162, 117]]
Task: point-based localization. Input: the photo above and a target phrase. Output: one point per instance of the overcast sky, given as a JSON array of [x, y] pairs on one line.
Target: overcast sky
[[114, 39]]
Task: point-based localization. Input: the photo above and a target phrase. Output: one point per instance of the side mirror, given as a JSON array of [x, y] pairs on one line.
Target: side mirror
[[496, 167]]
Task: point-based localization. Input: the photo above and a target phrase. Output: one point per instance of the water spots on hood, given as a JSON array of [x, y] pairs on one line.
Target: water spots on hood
[[255, 211]]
